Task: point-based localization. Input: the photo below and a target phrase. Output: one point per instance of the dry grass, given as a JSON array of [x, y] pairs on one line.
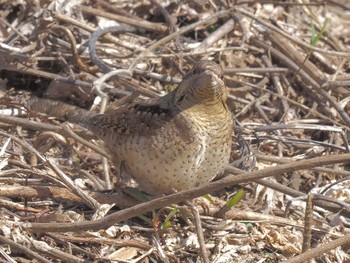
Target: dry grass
[[287, 69]]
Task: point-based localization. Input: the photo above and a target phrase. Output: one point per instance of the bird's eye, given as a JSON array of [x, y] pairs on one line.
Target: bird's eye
[[181, 98]]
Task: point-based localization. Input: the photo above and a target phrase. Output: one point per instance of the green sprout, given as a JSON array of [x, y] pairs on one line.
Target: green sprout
[[235, 198], [167, 222], [315, 36]]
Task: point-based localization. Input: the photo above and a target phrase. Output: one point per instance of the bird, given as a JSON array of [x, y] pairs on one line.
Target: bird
[[168, 144]]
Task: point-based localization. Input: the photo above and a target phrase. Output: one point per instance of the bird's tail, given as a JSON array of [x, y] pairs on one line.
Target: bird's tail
[[60, 110]]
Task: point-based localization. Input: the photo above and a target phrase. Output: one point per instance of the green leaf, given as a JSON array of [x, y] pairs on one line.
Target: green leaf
[[167, 222], [235, 198], [315, 37], [208, 198], [212, 27], [249, 225]]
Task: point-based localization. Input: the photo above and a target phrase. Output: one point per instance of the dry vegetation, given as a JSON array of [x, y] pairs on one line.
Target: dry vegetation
[[287, 69]]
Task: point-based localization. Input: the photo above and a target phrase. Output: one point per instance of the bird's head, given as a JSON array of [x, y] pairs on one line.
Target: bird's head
[[203, 85]]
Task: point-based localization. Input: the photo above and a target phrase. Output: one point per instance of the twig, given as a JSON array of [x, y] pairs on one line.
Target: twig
[[69, 133], [55, 253], [318, 86], [318, 251], [181, 31], [170, 20], [156, 27], [330, 204], [188, 194], [256, 70], [216, 35], [85, 26], [93, 39], [64, 130], [63, 194], [23, 249], [89, 200], [276, 83], [199, 231], [16, 206], [308, 223], [288, 36], [77, 59]]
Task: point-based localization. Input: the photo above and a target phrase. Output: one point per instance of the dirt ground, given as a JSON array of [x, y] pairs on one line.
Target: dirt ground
[[283, 198]]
